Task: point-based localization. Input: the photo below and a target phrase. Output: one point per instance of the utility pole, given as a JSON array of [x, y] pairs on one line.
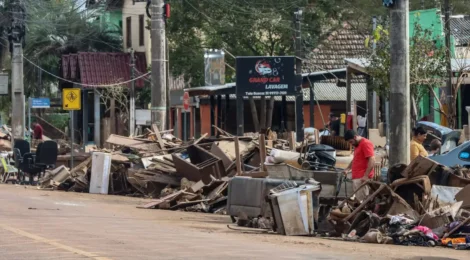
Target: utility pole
[[400, 83], [449, 91], [16, 37], [374, 94], [158, 91], [132, 95], [299, 112]]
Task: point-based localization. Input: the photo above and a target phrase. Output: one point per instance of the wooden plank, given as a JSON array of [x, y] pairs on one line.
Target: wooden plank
[[262, 151], [238, 157], [154, 203], [157, 177], [419, 166], [292, 142], [269, 143], [159, 137], [200, 138], [134, 144], [255, 174], [223, 132], [79, 167]]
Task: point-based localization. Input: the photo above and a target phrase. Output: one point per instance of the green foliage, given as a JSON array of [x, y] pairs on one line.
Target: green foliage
[[243, 28], [55, 28], [60, 120], [427, 62]]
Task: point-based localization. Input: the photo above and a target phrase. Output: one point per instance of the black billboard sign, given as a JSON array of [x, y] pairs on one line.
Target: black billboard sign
[[265, 76]]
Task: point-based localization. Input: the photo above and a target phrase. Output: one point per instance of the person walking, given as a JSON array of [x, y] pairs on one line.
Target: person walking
[[37, 134], [416, 144], [362, 164]]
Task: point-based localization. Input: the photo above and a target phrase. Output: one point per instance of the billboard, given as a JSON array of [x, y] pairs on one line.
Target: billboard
[[266, 76]]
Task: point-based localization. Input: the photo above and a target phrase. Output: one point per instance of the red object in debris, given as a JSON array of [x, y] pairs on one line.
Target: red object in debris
[[186, 101], [349, 122]]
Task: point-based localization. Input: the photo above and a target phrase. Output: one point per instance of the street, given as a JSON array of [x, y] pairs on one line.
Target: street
[[38, 224]]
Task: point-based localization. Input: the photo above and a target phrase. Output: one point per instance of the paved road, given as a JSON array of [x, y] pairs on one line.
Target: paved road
[[56, 225]]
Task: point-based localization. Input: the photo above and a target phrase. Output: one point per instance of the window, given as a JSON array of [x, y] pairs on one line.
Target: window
[[141, 30], [128, 32]]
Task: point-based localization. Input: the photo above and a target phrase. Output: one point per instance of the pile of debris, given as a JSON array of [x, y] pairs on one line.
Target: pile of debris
[[425, 204]]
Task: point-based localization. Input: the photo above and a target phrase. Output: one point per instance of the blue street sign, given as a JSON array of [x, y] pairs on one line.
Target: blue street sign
[[40, 103]]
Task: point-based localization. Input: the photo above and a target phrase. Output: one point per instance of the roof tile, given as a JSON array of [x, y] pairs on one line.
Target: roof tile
[[102, 68]]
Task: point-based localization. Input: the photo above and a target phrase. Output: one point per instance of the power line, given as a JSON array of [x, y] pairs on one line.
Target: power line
[[86, 85]]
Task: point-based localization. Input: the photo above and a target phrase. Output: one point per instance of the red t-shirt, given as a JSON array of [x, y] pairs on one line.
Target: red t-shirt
[[38, 132], [362, 153]]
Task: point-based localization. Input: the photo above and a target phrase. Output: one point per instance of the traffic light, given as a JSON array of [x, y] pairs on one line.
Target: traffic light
[[166, 10]]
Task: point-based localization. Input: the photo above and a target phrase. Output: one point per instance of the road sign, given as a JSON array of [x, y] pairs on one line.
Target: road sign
[[71, 99], [40, 103], [186, 101]]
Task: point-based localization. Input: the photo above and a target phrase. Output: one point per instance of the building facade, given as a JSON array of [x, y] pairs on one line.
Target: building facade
[[135, 29]]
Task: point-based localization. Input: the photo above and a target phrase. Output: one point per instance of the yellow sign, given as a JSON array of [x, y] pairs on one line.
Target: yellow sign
[[71, 99]]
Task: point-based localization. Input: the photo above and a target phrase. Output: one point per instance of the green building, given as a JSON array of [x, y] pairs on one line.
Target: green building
[[430, 19]]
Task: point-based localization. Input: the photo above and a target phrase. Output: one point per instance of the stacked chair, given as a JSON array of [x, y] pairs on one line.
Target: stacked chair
[[35, 164]]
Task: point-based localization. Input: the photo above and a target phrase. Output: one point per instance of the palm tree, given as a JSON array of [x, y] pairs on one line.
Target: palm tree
[[55, 28]]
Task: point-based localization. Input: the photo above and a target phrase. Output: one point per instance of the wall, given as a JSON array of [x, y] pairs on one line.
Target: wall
[[205, 120], [134, 10], [205, 112], [111, 20], [318, 122], [431, 19]]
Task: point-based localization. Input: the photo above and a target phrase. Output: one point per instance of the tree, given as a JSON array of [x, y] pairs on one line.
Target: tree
[[427, 63], [242, 28], [55, 28]]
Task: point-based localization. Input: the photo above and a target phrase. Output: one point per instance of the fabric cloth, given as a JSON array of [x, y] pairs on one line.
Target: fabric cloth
[[363, 192], [427, 231], [417, 149], [400, 219], [37, 133], [362, 153]]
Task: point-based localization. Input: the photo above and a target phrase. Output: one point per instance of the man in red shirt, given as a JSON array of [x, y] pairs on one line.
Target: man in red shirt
[[37, 131], [362, 164]]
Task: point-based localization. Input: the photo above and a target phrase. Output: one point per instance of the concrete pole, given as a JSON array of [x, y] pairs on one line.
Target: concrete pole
[[400, 84], [299, 97], [448, 89], [18, 104], [158, 91], [132, 97]]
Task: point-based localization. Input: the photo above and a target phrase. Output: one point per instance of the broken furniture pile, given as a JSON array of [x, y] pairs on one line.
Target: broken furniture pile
[[190, 176], [425, 204]]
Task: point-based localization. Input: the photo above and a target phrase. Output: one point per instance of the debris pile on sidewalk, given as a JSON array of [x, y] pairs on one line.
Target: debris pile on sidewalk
[[288, 187], [426, 204]]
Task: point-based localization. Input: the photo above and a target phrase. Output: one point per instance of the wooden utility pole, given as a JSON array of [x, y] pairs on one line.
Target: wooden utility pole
[[400, 83], [449, 91], [158, 91]]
